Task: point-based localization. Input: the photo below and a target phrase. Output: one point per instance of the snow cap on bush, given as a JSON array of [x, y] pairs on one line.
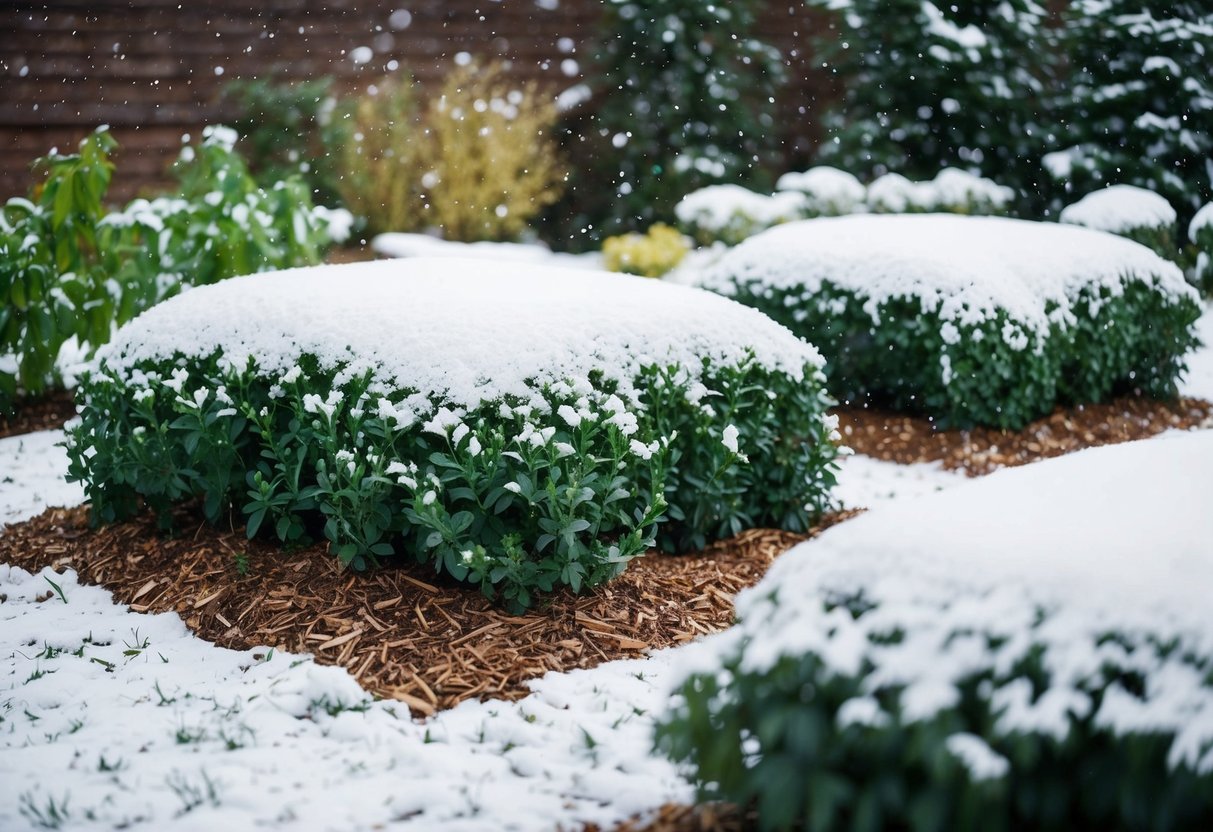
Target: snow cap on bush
[[731, 213], [1119, 209], [829, 191], [509, 328]]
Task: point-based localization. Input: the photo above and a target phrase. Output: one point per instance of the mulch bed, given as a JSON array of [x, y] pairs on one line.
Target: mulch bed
[[402, 632], [899, 438], [41, 413]]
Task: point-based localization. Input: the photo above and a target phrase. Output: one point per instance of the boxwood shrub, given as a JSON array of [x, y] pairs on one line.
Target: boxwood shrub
[[520, 427], [970, 320], [1136, 213], [1031, 651]]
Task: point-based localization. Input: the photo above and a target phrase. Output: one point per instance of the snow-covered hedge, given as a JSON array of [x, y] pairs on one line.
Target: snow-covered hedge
[[952, 191], [969, 319], [520, 427], [829, 192], [1140, 215], [1030, 651]]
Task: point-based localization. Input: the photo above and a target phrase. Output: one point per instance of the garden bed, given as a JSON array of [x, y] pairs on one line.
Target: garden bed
[[402, 632]]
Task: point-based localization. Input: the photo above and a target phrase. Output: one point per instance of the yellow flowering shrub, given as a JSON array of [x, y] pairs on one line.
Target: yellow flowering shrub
[[477, 161], [491, 160], [378, 157], [648, 255]]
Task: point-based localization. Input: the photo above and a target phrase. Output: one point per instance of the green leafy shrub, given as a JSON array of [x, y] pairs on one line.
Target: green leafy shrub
[[1140, 215], [970, 320], [906, 671], [286, 130], [71, 271], [366, 405], [651, 254]]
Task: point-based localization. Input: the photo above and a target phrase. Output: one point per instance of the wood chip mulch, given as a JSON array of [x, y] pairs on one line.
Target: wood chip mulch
[[899, 438], [403, 632], [42, 413]]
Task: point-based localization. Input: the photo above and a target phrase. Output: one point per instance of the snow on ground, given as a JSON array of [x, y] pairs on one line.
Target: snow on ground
[[1198, 382], [177, 733], [400, 244], [32, 468], [864, 482]]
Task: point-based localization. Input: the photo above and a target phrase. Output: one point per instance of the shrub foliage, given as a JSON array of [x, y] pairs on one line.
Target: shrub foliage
[[71, 270]]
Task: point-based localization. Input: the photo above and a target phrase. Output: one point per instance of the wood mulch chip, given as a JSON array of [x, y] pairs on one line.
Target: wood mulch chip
[[899, 438], [41, 413], [402, 632]]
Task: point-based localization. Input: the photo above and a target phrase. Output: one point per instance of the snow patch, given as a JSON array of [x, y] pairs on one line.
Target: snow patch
[[1120, 208]]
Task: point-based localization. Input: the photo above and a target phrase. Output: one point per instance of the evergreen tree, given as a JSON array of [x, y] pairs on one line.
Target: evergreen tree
[[684, 99], [1140, 99], [931, 86]]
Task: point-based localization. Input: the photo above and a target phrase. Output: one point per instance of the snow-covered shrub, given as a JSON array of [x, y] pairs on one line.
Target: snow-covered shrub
[[731, 213], [970, 319], [829, 192], [1200, 234], [1029, 651], [69, 270], [651, 254], [952, 191], [1142, 216], [519, 427], [930, 85], [1138, 99], [682, 99]]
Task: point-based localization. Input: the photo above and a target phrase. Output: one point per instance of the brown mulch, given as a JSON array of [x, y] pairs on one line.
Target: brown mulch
[[41, 413], [899, 438], [402, 632], [355, 253]]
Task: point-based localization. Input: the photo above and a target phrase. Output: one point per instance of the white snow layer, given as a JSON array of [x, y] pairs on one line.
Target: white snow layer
[[965, 268], [175, 733], [829, 190], [463, 330], [1201, 221], [1116, 539], [32, 468], [715, 206], [1120, 208], [864, 482]]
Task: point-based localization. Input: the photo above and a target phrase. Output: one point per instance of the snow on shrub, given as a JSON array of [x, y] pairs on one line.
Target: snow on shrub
[[1200, 234], [731, 213], [520, 427], [969, 319], [952, 191], [1029, 651], [829, 192], [1140, 215]]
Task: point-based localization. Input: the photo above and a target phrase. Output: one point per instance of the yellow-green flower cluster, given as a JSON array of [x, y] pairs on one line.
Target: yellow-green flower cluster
[[648, 255]]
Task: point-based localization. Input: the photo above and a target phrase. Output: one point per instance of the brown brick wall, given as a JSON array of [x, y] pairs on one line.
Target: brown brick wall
[[148, 68]]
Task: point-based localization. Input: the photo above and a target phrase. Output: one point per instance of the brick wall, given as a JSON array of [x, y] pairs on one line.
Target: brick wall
[[154, 69]]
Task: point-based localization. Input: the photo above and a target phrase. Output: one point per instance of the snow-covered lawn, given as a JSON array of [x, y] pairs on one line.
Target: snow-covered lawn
[[111, 717]]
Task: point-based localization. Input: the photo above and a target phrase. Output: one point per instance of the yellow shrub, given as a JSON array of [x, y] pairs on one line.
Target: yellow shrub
[[490, 155], [649, 255], [379, 157]]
